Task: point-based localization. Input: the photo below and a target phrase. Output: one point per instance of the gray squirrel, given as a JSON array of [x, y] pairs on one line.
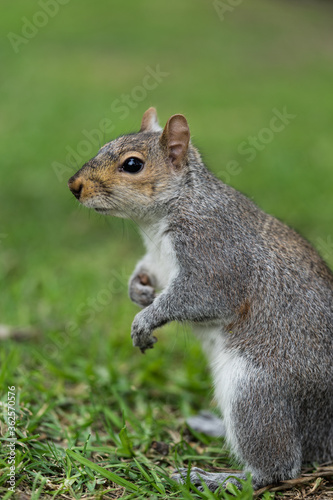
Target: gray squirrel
[[256, 293]]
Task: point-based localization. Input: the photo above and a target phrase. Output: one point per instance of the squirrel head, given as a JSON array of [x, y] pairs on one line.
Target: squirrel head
[[134, 175]]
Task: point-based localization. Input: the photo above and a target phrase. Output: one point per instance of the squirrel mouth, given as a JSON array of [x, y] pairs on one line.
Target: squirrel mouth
[[102, 210]]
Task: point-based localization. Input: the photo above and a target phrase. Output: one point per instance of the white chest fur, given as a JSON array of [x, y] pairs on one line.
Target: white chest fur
[[161, 254], [228, 368]]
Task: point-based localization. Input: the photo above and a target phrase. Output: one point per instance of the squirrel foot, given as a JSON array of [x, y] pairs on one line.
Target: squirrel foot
[[141, 333], [141, 290], [213, 480]]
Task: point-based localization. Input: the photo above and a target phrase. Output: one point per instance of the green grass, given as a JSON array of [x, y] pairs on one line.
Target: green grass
[[89, 406]]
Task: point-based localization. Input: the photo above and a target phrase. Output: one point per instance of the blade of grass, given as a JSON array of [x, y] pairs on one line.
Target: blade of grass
[[103, 472]]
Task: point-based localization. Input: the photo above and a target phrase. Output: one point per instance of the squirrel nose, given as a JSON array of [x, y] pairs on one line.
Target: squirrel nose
[[75, 184]]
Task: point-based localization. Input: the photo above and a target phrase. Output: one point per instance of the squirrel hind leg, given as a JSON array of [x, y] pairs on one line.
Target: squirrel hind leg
[[207, 423], [213, 480], [265, 435]]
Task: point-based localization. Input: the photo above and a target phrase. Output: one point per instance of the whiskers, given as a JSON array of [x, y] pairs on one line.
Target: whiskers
[[108, 200]]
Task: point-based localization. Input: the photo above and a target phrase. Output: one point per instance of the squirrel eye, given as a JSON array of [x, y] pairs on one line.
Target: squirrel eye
[[132, 165]]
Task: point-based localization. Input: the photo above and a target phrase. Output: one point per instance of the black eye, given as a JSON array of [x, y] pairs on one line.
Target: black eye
[[132, 165]]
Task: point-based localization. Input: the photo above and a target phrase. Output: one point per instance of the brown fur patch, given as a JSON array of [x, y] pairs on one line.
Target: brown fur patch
[[243, 313]]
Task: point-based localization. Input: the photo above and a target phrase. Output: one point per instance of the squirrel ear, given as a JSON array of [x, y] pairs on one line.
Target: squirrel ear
[[175, 138], [150, 121]]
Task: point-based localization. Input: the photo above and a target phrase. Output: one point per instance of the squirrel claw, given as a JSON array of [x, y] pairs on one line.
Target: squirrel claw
[[150, 345], [142, 331]]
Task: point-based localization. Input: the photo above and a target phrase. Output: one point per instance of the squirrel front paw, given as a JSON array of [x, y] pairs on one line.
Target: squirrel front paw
[[141, 291], [141, 333]]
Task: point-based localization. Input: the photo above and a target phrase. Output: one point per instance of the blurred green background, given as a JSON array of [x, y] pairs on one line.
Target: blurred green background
[[64, 269], [226, 76]]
